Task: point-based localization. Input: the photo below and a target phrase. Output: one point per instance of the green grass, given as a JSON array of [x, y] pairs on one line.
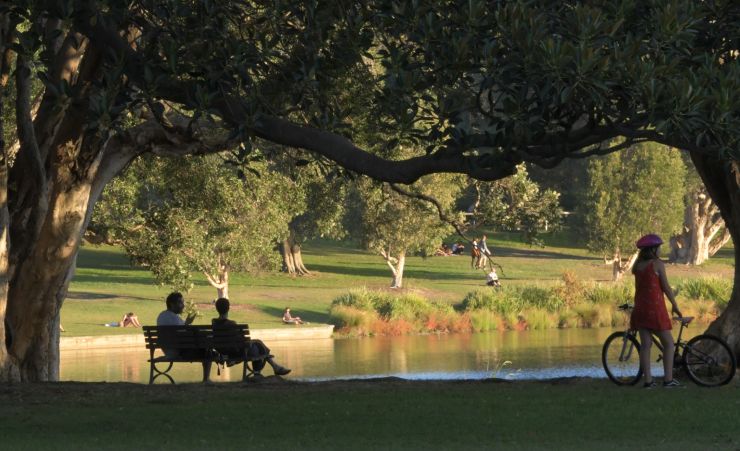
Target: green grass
[[384, 414], [105, 285]]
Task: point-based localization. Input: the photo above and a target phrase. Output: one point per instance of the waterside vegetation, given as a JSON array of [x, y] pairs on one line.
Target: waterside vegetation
[[106, 285], [569, 303]]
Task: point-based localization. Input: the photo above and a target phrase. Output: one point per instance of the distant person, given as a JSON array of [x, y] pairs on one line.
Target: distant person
[[443, 251], [128, 320], [650, 314], [256, 347], [171, 317], [290, 319], [492, 279], [457, 249], [474, 253], [484, 247]]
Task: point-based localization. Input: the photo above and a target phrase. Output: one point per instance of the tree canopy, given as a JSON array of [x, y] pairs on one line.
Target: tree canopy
[[192, 215], [632, 193]]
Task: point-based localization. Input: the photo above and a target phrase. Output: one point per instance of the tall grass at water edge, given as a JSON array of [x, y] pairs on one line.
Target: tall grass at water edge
[[570, 303]]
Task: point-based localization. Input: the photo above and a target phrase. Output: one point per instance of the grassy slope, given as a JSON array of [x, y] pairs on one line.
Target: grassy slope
[[386, 414], [106, 286]]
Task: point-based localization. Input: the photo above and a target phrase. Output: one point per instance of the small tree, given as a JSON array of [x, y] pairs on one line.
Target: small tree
[[517, 203], [632, 193], [189, 215], [394, 224]]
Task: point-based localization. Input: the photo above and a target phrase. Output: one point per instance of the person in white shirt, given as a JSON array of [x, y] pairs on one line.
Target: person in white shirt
[[171, 317], [492, 279]]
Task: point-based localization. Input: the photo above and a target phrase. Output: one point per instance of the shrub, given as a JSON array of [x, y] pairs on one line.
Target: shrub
[[568, 318], [344, 316], [707, 289], [359, 298], [543, 298], [588, 314], [571, 291], [612, 294], [479, 299], [538, 318], [485, 320]]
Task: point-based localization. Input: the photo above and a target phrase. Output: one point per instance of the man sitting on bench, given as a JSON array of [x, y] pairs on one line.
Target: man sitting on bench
[[171, 317], [256, 347]]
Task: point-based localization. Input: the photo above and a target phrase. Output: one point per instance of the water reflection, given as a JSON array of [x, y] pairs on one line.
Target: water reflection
[[534, 355]]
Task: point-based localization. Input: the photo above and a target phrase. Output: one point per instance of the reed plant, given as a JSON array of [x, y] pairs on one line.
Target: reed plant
[[568, 304], [707, 289], [485, 321], [539, 318]]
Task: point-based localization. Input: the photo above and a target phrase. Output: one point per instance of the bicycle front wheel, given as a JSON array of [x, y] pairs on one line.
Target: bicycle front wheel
[[621, 358], [709, 361]]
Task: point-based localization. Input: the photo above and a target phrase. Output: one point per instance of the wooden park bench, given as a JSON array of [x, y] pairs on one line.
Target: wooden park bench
[[222, 345]]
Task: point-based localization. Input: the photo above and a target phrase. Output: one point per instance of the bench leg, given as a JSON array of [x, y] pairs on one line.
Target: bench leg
[[207, 371], [153, 369]]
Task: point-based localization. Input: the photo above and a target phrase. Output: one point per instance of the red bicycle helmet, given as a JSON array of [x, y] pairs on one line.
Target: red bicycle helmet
[[649, 240]]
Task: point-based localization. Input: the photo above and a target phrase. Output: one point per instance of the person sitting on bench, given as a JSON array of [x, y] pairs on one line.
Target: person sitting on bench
[[290, 319], [256, 347], [171, 317]]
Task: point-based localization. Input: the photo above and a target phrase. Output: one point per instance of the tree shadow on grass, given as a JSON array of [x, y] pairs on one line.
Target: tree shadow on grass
[[383, 272], [536, 253], [97, 258], [111, 278], [380, 271], [87, 296]]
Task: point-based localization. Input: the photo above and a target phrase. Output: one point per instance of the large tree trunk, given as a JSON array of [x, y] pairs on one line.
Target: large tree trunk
[[699, 238], [398, 273], [290, 250], [722, 179], [5, 361]]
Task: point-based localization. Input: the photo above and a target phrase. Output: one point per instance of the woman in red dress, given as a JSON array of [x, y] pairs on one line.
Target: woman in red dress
[[650, 314]]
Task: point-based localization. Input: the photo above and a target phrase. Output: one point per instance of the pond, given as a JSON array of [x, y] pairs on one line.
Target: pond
[[533, 355]]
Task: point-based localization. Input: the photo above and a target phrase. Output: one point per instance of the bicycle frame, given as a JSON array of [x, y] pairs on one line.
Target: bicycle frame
[[679, 344]]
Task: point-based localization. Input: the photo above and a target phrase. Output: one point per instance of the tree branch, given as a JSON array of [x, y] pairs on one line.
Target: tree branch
[[26, 133], [440, 210]]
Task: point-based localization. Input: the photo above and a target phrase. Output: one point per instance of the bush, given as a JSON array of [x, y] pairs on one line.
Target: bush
[[360, 298], [344, 316], [485, 321], [538, 318], [707, 289], [612, 294]]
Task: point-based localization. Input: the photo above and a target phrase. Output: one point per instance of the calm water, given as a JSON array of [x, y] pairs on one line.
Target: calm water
[[533, 355]]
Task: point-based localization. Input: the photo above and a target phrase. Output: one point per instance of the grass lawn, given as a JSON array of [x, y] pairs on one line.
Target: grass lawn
[[358, 415], [105, 285]]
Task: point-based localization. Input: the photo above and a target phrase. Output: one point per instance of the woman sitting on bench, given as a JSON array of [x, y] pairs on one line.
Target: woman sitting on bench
[[289, 319]]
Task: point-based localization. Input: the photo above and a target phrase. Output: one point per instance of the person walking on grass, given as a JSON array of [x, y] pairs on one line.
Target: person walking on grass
[[256, 347], [650, 314]]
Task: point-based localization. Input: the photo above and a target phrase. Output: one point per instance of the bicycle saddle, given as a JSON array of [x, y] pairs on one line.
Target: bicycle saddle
[[685, 320]]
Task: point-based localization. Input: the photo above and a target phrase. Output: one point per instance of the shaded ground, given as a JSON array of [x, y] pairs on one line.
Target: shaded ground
[[368, 414]]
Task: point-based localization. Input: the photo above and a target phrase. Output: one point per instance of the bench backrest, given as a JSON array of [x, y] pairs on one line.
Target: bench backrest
[[196, 337]]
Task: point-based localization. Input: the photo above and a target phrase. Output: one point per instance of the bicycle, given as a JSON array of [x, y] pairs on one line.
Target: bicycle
[[707, 359]]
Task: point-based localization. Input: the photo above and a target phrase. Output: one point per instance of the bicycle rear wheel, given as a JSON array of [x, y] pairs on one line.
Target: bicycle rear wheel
[[621, 358], [709, 361]]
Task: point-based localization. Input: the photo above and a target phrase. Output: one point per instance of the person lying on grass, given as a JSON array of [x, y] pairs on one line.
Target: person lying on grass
[[256, 347]]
